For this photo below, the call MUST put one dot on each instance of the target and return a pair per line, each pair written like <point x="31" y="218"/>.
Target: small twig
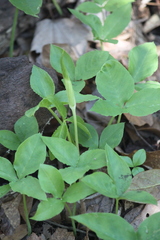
<point x="138" y="134"/>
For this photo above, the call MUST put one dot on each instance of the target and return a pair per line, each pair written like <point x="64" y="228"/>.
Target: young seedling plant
<point x="121" y="92"/>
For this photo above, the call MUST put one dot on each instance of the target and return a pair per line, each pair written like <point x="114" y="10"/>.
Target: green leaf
<point x="4" y="190"/>
<point x="114" y="83"/>
<point x="90" y="20"/>
<point x="9" y="139"/>
<point x="111" y="5"/>
<point x="30" y="112"/>
<point x="144" y="102"/>
<point x="59" y="106"/>
<point x="29" y="7"/>
<point x="118" y="170"/>
<point x="149" y="228"/>
<point x="90" y="63"/>
<point x="111" y="27"/>
<point x="139" y="157"/>
<point x="137" y="170"/>
<point x="107" y="226"/>
<point x="140" y="58"/>
<point x="94" y="159"/>
<point x="112" y="135"/>
<point x="26" y="127"/>
<point x="29" y="186"/>
<point x="48" y="209"/>
<point x="148" y="84"/>
<point x="84" y="98"/>
<point x="128" y="161"/>
<point x="41" y="82"/>
<point x="76" y="192"/>
<point x="102" y="183"/>
<point x="106" y="108"/>
<point x="29" y="155"/>
<point x="61" y="131"/>
<point x="55" y="60"/>
<point x="89" y="7"/>
<point x="51" y="180"/>
<point x="63" y="150"/>
<point x="92" y="141"/>
<point x="6" y="170"/>
<point x="140" y="197"/>
<point x="72" y="174"/>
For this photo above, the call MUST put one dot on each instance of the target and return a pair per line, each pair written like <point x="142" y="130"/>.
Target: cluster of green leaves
<point x="110" y="26"/>
<point x="121" y="92"/>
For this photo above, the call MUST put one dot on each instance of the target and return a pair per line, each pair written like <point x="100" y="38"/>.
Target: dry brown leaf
<point x="62" y="234"/>
<point x="151" y="23"/>
<point x="33" y="236"/>
<point x="139" y="121"/>
<point x="20" y="233"/>
<point x="148" y="181"/>
<point x="68" y="31"/>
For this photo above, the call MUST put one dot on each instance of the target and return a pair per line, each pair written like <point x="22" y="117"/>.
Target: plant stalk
<point x="119" y="118"/>
<point x="57" y="7"/>
<point x="117" y="203"/>
<point x="15" y="19"/>
<point x="72" y="220"/>
<point x="75" y="127"/>
<point x="26" y="215"/>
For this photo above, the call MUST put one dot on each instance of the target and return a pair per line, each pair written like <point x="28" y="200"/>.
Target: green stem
<point x="111" y="121"/>
<point x="15" y="19"/>
<point x="102" y="47"/>
<point x="26" y="215"/>
<point x="57" y="7"/>
<point x="72" y="220"/>
<point x="119" y="118"/>
<point x="117" y="202"/>
<point x="55" y="116"/>
<point x="75" y="127"/>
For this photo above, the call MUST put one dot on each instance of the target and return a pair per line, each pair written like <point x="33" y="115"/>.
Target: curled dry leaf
<point x="148" y="181"/>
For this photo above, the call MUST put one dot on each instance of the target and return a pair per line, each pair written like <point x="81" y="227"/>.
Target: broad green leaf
<point x="63" y="150"/>
<point x="51" y="180"/>
<point x="89" y="7"/>
<point x="140" y="58"/>
<point x="118" y="170"/>
<point x="48" y="209"/>
<point x="137" y="170"/>
<point x="99" y="1"/>
<point x="149" y="228"/>
<point x="91" y="20"/>
<point x="92" y="141"/>
<point x="61" y="131"/>
<point x="9" y="139"/>
<point x="84" y="98"/>
<point x="115" y="83"/>
<point x="112" y="135"/>
<point x="139" y="157"/>
<point x="55" y="60"/>
<point x="107" y="226"/>
<point x="6" y="170"/>
<point x="26" y="127"/>
<point x="111" y="5"/>
<point x="72" y="174"/>
<point x="29" y="186"/>
<point x="30" y="112"/>
<point x="4" y="190"/>
<point x="94" y="159"/>
<point x="90" y="63"/>
<point x="111" y="27"/>
<point x="41" y="82"/>
<point x="106" y="108"/>
<point x="128" y="161"/>
<point x="76" y="192"/>
<point x="29" y="7"/>
<point x="144" y="102"/>
<point x="148" y="84"/>
<point x="101" y="183"/>
<point x="140" y="197"/>
<point x="29" y="155"/>
<point x="147" y="181"/>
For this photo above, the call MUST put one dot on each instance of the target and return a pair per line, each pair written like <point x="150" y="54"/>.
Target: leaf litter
<point x="77" y="38"/>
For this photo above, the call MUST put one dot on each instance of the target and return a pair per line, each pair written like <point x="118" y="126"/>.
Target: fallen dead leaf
<point x="62" y="234"/>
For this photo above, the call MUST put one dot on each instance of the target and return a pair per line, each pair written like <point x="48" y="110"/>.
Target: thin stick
<point x="15" y="19"/>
